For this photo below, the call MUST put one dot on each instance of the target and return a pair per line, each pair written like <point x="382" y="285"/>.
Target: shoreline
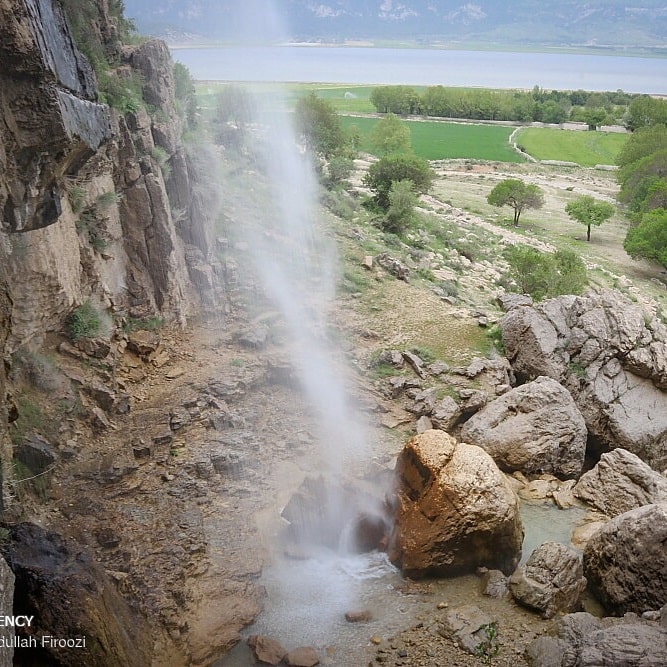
<point x="613" y="51"/>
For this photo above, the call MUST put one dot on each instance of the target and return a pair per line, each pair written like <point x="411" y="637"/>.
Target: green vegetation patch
<point x="585" y="148"/>
<point x="437" y="140"/>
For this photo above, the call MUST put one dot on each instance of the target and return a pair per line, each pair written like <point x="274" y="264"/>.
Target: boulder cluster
<point x="584" y="411"/>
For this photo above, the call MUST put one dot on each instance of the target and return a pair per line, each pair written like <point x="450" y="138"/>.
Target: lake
<point x="426" y="67"/>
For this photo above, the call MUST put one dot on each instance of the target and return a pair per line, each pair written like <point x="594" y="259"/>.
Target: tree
<point x="641" y="178"/>
<point x="594" y="117"/>
<point x="320" y="126"/>
<point x="402" y="202"/>
<point x="517" y="194"/>
<point x="395" y="99"/>
<point x="648" y="239"/>
<point x="387" y="170"/>
<point x="589" y="211"/>
<point x="184" y="90"/>
<point x="235" y="106"/>
<point x="391" y="135"/>
<point x="645" y="111"/>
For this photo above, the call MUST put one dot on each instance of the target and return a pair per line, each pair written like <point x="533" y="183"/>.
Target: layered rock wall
<point x="96" y="205"/>
<point x="50" y="122"/>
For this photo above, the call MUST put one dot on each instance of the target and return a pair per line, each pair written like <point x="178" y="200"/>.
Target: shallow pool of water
<point x="307" y="599"/>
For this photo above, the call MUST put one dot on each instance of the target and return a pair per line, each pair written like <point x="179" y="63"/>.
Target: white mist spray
<point x="296" y="262"/>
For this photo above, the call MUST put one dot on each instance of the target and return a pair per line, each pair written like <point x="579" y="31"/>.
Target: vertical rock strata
<point x="50" y="123"/>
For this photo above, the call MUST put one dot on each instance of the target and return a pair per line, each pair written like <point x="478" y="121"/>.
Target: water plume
<point x="331" y="517"/>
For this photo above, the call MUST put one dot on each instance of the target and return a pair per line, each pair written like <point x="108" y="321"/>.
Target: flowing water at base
<point x="307" y="599"/>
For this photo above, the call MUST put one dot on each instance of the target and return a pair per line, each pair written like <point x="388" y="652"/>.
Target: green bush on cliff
<point x="84" y="322"/>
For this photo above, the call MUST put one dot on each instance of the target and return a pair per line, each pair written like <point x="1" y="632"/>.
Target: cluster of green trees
<point x="553" y="106"/>
<point x="643" y="179"/>
<point x="544" y="275"/>
<point x="396" y="179"/>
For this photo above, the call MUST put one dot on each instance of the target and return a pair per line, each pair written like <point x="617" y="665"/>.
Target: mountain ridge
<point x="612" y="23"/>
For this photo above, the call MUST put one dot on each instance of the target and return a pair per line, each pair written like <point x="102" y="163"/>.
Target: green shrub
<point x="494" y="335"/>
<point x="401" y="210"/>
<point x="84" y="322"/>
<point x="123" y="93"/>
<point x="545" y="275"/>
<point x="77" y="197"/>
<point x="90" y="224"/>
<point x="108" y="199"/>
<point x="144" y="324"/>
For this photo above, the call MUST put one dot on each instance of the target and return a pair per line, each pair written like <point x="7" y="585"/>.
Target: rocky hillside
<point x="598" y="23"/>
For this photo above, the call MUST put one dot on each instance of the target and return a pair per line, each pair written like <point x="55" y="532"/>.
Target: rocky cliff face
<point x="96" y="203"/>
<point x="90" y="197"/>
<point x="50" y="123"/>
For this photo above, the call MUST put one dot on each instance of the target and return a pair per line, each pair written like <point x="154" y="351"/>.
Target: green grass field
<point x="345" y="99"/>
<point x="584" y="148"/>
<point x="434" y="140"/>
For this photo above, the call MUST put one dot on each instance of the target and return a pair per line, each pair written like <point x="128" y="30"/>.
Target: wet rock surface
<point x="72" y="596"/>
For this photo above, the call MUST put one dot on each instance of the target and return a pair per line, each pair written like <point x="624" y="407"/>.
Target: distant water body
<point x="427" y="67"/>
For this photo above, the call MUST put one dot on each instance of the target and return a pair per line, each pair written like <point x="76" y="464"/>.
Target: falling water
<point x="295" y="260"/>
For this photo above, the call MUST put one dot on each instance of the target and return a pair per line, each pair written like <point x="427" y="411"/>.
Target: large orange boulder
<point x="454" y="510"/>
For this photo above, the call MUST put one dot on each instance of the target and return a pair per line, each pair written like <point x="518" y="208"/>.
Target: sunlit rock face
<point x="620" y="482"/>
<point x="454" y="511"/>
<point x="50" y="123"/>
<point x="534" y="428"/>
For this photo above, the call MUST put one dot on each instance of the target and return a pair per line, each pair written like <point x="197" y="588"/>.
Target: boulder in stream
<point x="454" y="510"/>
<point x="551" y="581"/>
<point x="625" y="561"/>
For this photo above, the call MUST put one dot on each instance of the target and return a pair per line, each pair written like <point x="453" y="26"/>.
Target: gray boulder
<point x="535" y="428"/>
<point x="610" y="354"/>
<point x="625" y="561"/>
<point x="620" y="482"/>
<point x="551" y="581"/>
<point x="585" y="641"/>
<point x="446" y="414"/>
<point x="466" y="626"/>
